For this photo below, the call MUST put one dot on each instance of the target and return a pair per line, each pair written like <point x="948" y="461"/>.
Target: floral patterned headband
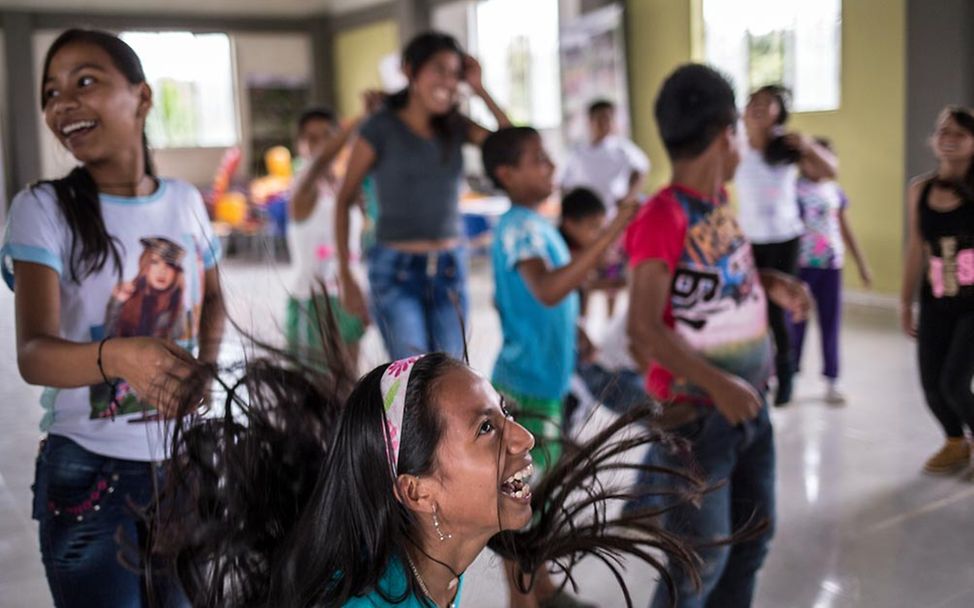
<point x="393" y="386"/>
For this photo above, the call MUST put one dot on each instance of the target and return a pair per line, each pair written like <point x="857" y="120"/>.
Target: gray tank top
<point x="417" y="181"/>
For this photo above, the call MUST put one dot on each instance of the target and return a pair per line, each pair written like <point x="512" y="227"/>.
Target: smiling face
<point x="90" y="106"/>
<point x="481" y="459"/>
<point x="762" y="112"/>
<point x="435" y="83"/>
<point x="951" y="142"/>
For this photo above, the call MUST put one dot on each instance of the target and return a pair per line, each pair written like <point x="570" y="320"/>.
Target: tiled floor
<point x="859" y="525"/>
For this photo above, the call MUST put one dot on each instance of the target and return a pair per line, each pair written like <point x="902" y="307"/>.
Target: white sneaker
<point x="833" y="396"/>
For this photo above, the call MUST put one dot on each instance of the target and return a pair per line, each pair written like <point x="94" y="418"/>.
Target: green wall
<point x="357" y="55"/>
<point x="868" y="130"/>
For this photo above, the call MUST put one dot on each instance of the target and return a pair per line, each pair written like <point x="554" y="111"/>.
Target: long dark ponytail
<point x="77" y="193"/>
<point x="449" y="128"/>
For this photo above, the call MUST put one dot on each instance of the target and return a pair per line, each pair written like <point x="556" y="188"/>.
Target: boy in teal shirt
<point x="536" y="280"/>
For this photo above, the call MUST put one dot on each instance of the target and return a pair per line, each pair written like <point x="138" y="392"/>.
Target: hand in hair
<point x="473" y="74"/>
<point x="156" y="370"/>
<point x="818" y="160"/>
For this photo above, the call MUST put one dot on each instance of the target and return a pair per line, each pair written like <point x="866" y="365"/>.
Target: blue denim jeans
<point x="742" y="458"/>
<point x="86" y="506"/>
<point x="419" y="301"/>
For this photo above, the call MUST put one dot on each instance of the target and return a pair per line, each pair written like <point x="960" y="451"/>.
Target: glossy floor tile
<point x="859" y="525"/>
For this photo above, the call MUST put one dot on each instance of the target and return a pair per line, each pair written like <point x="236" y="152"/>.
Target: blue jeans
<point x="419" y="301"/>
<point x="85" y="504"/>
<point x="742" y="458"/>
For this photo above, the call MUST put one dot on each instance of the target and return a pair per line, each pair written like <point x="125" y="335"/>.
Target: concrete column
<point x="940" y="70"/>
<point x="23" y="147"/>
<point x="415" y="16"/>
<point x="322" y="61"/>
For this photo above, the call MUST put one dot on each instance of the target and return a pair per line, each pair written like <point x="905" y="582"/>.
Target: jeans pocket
<point x="73" y="489"/>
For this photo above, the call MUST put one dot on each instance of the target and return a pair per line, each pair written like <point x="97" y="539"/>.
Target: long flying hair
<point x="285" y="497"/>
<point x="77" y="193"/>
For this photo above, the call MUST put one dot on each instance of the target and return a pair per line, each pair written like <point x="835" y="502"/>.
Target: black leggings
<point x="782" y="257"/>
<point x="945" y="347"/>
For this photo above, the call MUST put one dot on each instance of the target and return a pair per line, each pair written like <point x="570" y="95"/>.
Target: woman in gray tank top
<point x="412" y="149"/>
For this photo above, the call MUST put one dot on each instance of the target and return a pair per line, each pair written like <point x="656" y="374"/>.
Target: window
<point x="792" y="42"/>
<point x="191" y="76"/>
<point x="517" y="45"/>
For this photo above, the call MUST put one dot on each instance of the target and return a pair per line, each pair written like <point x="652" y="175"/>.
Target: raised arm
<point x="551" y="285"/>
<point x="474" y="77"/>
<point x="305" y="192"/>
<point x="821" y="163"/>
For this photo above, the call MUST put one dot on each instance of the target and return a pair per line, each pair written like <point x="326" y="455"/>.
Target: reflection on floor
<point x="858" y="526"/>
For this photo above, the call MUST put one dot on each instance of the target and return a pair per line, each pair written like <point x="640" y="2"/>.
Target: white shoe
<point x="833" y="396"/>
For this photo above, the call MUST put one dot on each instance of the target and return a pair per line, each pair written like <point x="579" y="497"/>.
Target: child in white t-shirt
<point x="313" y="293"/>
<point x="614" y="168"/>
<point x="116" y="286"/>
<point x="608" y="163"/>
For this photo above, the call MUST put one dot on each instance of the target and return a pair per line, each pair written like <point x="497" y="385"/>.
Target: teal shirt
<point x="537" y="357"/>
<point x="394" y="584"/>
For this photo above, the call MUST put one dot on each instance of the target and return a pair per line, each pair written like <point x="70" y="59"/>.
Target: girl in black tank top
<point x="948" y="239"/>
<point x="941" y="250"/>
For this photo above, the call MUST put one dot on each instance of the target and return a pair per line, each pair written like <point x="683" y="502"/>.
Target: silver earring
<point x="439" y="530"/>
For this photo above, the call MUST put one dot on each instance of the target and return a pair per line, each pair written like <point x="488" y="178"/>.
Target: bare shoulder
<point x="917" y="182"/>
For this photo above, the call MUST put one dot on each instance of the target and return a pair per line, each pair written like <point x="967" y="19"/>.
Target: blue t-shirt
<point x="394" y="584"/>
<point x="538" y="353"/>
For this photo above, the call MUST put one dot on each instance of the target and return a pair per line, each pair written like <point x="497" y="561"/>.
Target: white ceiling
<point x="278" y="8"/>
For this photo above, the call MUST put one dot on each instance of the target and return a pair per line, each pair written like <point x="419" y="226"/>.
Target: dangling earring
<point x="439" y="530"/>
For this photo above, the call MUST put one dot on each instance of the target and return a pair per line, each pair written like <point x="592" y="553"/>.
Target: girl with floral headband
<point x="296" y="497"/>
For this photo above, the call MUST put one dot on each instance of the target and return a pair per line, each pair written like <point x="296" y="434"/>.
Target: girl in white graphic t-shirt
<point x="116" y="289"/>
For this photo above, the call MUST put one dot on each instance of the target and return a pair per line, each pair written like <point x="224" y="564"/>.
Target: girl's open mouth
<point x="516" y="487"/>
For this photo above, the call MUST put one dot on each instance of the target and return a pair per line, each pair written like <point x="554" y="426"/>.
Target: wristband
<point x="113" y="386"/>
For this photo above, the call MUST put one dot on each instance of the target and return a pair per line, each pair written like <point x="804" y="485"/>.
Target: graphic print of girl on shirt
<point x="149" y="305"/>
